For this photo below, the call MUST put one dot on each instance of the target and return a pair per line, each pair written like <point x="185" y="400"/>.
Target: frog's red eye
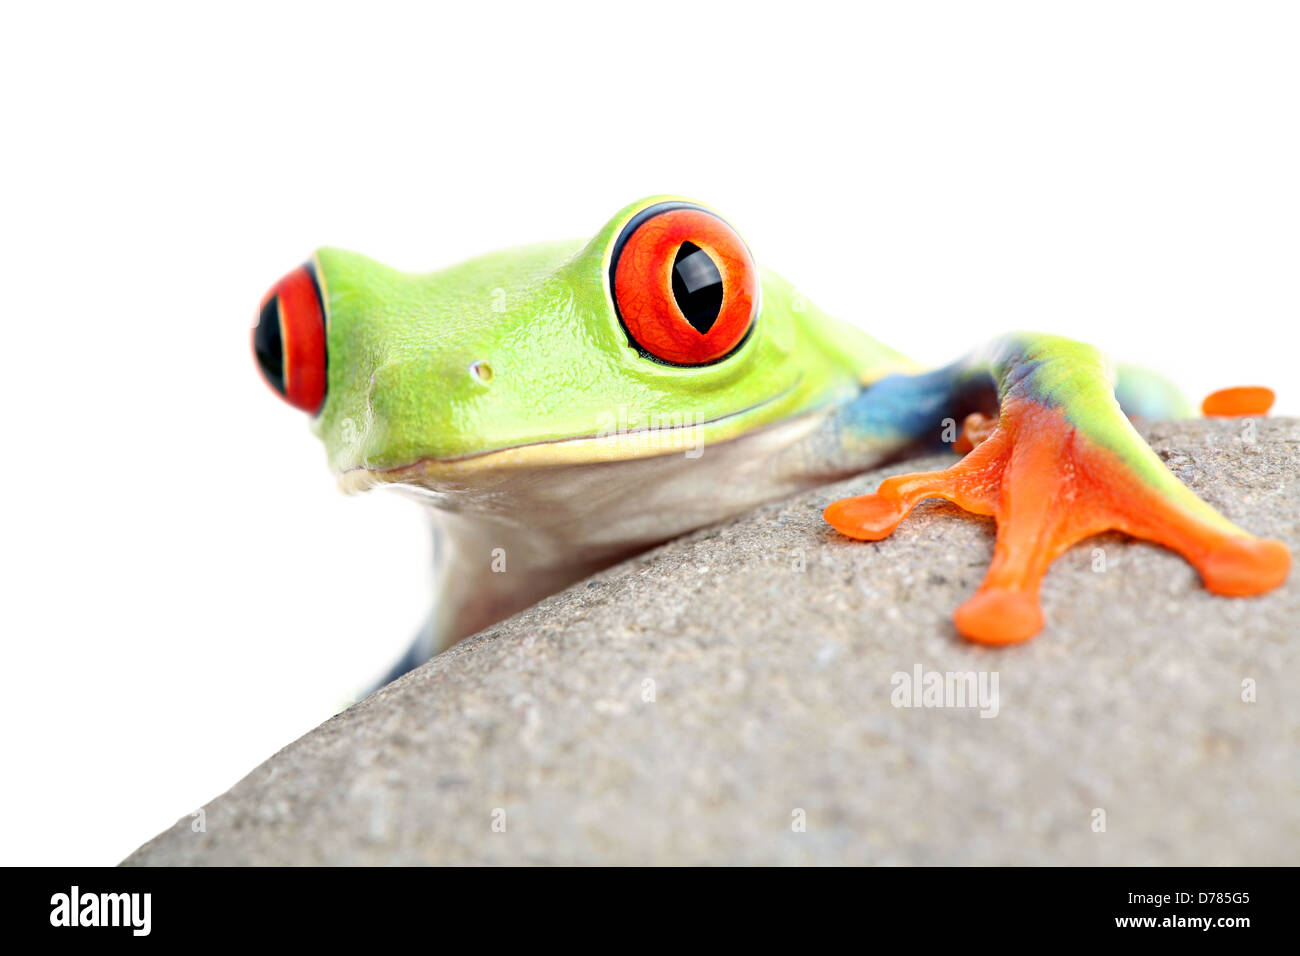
<point x="289" y="339"/>
<point x="685" y="287"/>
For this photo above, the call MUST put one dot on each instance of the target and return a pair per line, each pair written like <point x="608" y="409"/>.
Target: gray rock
<point x="771" y="644"/>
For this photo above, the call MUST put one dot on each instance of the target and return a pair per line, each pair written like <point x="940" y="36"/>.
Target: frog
<point x="560" y="407"/>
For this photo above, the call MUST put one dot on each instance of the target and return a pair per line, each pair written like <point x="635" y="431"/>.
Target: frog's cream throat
<point x="549" y="525"/>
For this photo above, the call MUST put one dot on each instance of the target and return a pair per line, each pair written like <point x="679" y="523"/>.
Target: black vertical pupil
<point x="697" y="287"/>
<point x="267" y="344"/>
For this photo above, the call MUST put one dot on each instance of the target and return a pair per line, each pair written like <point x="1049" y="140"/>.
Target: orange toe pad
<point x="1248" y="400"/>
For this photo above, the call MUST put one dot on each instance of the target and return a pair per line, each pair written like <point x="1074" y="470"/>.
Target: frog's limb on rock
<point x="1062" y="464"/>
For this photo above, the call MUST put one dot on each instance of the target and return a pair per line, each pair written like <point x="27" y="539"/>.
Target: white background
<point x="184" y="591"/>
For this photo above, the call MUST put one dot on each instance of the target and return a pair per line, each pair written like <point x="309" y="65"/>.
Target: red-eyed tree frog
<point x="562" y="406"/>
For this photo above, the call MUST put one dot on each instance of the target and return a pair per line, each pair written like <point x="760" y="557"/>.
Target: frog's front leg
<point x="1062" y="463"/>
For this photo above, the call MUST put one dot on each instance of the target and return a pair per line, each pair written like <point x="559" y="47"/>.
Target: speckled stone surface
<point x="695" y="704"/>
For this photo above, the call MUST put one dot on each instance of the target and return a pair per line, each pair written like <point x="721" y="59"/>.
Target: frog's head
<point x="659" y="334"/>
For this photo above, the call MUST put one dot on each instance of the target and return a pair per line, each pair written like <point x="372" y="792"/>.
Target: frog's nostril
<point x="289" y="339"/>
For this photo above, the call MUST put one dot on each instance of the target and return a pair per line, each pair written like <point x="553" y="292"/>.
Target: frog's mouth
<point x="673" y="435"/>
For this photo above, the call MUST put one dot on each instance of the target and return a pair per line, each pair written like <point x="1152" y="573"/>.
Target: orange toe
<point x="1241" y="566"/>
<point x="974" y="432"/>
<point x="866" y="518"/>
<point x="996" y="616"/>
<point x="1245" y="401"/>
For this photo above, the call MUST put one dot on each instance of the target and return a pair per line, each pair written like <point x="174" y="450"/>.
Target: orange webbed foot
<point x="1048" y="486"/>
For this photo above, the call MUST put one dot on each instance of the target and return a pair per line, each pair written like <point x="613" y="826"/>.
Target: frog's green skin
<point x="503" y="392"/>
